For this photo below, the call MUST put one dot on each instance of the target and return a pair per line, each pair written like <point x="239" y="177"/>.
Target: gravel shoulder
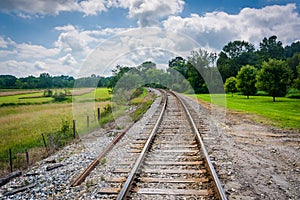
<point x="253" y="161"/>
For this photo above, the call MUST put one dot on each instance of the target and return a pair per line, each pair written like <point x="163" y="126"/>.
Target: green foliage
<point x="274" y="78"/>
<point x="297" y="80"/>
<point x="102" y="161"/>
<point x="62" y="137"/>
<point x="292" y="49"/>
<point x="270" y="48"/>
<point x="246" y="80"/>
<point x="293" y="63"/>
<point x="233" y="56"/>
<point x="107" y="110"/>
<point x="293" y="93"/>
<point x="7" y="81"/>
<point x="59" y="97"/>
<point x="48" y="93"/>
<point x="230" y="85"/>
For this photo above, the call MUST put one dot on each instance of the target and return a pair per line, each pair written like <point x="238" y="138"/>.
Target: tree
<point x="246" y="80"/>
<point x="200" y="70"/>
<point x="230" y="85"/>
<point x="233" y="56"/>
<point x="292" y="49"/>
<point x="146" y="66"/>
<point x="270" y="48"/>
<point x="7" y="81"/>
<point x="293" y="62"/>
<point x="297" y="80"/>
<point x="274" y="78"/>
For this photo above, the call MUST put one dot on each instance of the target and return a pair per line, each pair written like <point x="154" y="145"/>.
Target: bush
<point x="106" y="110"/>
<point x="59" y="96"/>
<point x="261" y="93"/>
<point x="293" y="93"/>
<point x="62" y="137"/>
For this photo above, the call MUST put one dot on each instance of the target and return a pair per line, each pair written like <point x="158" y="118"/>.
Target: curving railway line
<point x="167" y="162"/>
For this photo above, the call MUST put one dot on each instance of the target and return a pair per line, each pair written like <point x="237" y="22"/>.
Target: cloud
<point x="92" y="7"/>
<point x="40" y="66"/>
<point x="68" y="60"/>
<point x="146" y="12"/>
<point x="149" y="12"/>
<point x="3" y="43"/>
<point x="53" y="7"/>
<point x="214" y="30"/>
<point x="30" y="51"/>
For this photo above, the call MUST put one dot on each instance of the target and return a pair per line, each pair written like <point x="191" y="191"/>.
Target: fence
<point x="51" y="142"/>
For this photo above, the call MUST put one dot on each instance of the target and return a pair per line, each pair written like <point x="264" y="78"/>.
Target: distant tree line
<point x="45" y="81"/>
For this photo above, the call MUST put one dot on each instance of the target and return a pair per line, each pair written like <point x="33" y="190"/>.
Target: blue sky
<point x="61" y="38"/>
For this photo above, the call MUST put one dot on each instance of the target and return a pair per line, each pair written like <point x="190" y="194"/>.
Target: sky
<point x="82" y="37"/>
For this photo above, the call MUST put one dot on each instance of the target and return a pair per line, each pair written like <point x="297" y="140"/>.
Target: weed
<point x="102" y="161"/>
<point x="102" y="178"/>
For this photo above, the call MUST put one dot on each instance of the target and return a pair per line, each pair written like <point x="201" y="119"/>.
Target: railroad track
<point x="168" y="162"/>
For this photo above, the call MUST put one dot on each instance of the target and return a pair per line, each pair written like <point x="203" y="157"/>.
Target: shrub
<point x="293" y="93"/>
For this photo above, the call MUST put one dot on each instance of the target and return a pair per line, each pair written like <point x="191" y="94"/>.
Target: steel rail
<point x="125" y="189"/>
<point x="220" y="190"/>
<point x="87" y="171"/>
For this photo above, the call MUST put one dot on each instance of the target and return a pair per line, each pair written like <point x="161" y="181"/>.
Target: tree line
<point x="46" y="81"/>
<point x="271" y="68"/>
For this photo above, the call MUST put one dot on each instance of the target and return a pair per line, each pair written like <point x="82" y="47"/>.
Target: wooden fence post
<point x="99" y="115"/>
<point x="87" y="121"/>
<point x="45" y="142"/>
<point x="27" y="157"/>
<point x="74" y="128"/>
<point x="10" y="160"/>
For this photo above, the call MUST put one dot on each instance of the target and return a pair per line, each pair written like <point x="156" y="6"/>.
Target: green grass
<point x="284" y="113"/>
<point x="25" y="98"/>
<point x="102" y="94"/>
<point x="22" y="125"/>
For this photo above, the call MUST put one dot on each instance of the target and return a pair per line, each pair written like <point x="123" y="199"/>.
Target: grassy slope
<point x="284" y="112"/>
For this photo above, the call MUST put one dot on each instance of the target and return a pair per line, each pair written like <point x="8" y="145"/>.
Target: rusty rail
<point x="87" y="171"/>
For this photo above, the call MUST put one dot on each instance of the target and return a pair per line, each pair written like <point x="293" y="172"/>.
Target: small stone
<point x="269" y="182"/>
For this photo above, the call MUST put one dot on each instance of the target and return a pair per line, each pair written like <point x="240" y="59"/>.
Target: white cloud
<point x="214" y="30"/>
<point x="149" y="12"/>
<point x="3" y="43"/>
<point x="39" y="66"/>
<point x="68" y="60"/>
<point x="30" y="51"/>
<point x="92" y="7"/>
<point x="53" y="7"/>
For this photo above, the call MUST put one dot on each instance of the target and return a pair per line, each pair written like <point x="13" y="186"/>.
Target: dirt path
<point x="254" y="161"/>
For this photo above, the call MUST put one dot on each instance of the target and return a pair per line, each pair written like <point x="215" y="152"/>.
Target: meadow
<point x="284" y="112"/>
<point x="22" y="126"/>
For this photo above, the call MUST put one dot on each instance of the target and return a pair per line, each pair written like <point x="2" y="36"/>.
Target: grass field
<point x="22" y="125"/>
<point x="25" y="98"/>
<point x="285" y="112"/>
